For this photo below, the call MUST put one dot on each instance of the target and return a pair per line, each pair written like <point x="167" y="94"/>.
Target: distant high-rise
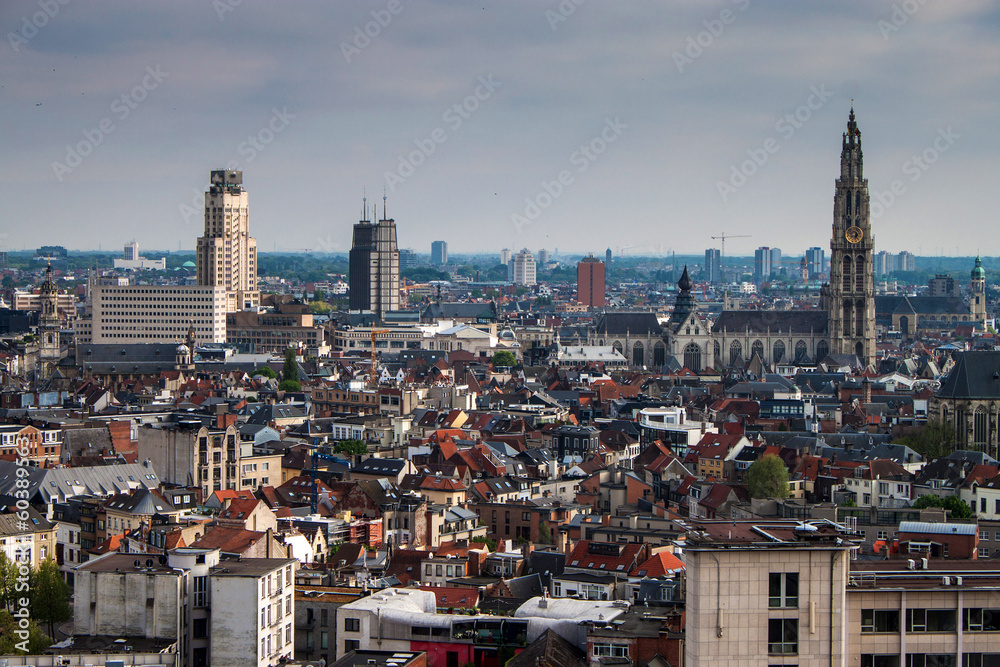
<point x="885" y="263"/>
<point x="713" y="265"/>
<point x="590" y="282"/>
<point x="523" y="268"/>
<point x="775" y="261"/>
<point x="439" y="253"/>
<point x="374" y="266"/>
<point x="905" y="261"/>
<point x="608" y="256"/>
<point x="407" y="259"/>
<point x="227" y="254"/>
<point x="505" y="256"/>
<point x="815" y="261"/>
<point x="543" y="256"/>
<point x="762" y="264"/>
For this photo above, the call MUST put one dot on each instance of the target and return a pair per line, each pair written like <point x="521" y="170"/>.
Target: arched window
<point x="716" y="352"/>
<point x="692" y="357"/>
<point x="979" y="427"/>
<point x="857" y="202"/>
<point x="735" y="353"/>
<point x="758" y="349"/>
<point x="822" y="349"/>
<point x="638" y="354"/>
<point x="847" y="310"/>
<point x="859" y="274"/>
<point x="617" y="346"/>
<point x="848" y="198"/>
<point x="846" y="277"/>
<point x="659" y="355"/>
<point x="800" y="350"/>
<point x="779" y="351"/>
<point x="859" y="319"/>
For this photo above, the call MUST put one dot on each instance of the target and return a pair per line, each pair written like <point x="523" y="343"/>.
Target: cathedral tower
<point x="851" y="300"/>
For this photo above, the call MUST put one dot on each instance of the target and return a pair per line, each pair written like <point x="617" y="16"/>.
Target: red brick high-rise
<point x="590" y="282"/>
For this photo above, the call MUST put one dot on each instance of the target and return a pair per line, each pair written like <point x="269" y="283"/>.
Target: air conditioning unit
<point x="958" y="581"/>
<point x="946" y="581"/>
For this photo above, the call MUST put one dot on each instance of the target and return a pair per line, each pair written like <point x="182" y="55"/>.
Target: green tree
<point x="319" y="307"/>
<point x="504" y="358"/>
<point x="959" y="510"/>
<point x="290" y="371"/>
<point x="289" y="385"/>
<point x="8" y="582"/>
<point x="267" y="372"/>
<point x="490" y="543"/>
<point x="767" y="477"/>
<point x="50" y="596"/>
<point x="8" y="282"/>
<point x="12" y="644"/>
<point x="544" y="532"/>
<point x="934" y="440"/>
<point x="319" y="295"/>
<point x="477" y="293"/>
<point x="354" y="447"/>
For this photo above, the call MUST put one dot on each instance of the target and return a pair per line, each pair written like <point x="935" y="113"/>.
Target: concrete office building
<point x="374" y="266"/>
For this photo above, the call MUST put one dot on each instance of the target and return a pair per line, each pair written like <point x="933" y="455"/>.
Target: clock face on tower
<point x="854" y="235"/>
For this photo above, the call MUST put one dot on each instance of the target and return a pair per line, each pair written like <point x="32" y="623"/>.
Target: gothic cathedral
<point x="850" y="298"/>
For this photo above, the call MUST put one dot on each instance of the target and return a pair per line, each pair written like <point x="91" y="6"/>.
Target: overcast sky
<point x="533" y="124"/>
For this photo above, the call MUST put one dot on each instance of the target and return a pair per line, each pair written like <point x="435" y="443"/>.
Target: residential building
<point x="193" y="455"/>
<point x="123" y="314"/>
<point x="523" y="268"/>
<point x="209" y="606"/>
<point x="227" y="254"/>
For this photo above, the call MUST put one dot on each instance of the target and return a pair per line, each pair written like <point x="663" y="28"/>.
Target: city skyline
<point x="644" y="141"/>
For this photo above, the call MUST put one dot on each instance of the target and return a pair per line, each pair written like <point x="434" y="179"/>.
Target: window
<point x="883" y="535"/>
<point x="984" y="535"/>
<point x="982" y="620"/>
<point x="200" y="590"/>
<point x="351" y="625"/>
<point x="324" y="639"/>
<point x="610" y="651"/>
<point x="930" y="620"/>
<point x="783" y="590"/>
<point x="879" y="620"/>
<point x="871" y="660"/>
<point x="351" y="645"/>
<point x="930" y="660"/>
<point x="981" y="660"/>
<point x="200" y="628"/>
<point x="782" y="636"/>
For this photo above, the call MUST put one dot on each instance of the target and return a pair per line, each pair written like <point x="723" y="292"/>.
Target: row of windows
<point x="974" y="619"/>
<point x="932" y="660"/>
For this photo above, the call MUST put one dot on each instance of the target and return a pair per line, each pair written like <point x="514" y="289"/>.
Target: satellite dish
<point x="149" y="562"/>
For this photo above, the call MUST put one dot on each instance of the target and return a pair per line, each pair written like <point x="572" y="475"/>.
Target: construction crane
<point x="372" y="374"/>
<point x="722" y="253"/>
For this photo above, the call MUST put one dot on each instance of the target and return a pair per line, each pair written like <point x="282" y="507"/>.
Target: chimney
<point x="225" y="420"/>
<point x="866" y="391"/>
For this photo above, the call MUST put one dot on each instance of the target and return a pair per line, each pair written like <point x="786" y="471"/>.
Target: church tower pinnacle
<point x="851" y="293"/>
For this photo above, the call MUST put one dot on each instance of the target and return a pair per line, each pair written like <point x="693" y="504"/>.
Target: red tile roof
<point x="662" y="564"/>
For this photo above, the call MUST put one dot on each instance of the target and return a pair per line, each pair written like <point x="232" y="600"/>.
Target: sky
<point x="644" y="127"/>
